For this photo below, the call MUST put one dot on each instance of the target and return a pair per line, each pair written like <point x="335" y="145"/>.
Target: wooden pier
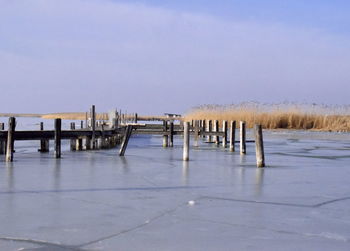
<point x="118" y="130"/>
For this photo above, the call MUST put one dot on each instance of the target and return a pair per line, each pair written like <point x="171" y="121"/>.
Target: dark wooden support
<point x="93" y="126"/>
<point x="87" y="143"/>
<point x="259" y="146"/>
<point x="79" y="144"/>
<point x="209" y="129"/>
<point x="10" y="139"/>
<point x="58" y="123"/>
<point x="103" y="138"/>
<point x="204" y="123"/>
<point x="224" y="130"/>
<point x="165" y="136"/>
<point x="81" y="124"/>
<point x="72" y="141"/>
<point x="242" y="137"/>
<point x="186" y="147"/>
<point x="126" y="138"/>
<point x="216" y="129"/>
<point x="2" y="142"/>
<point x="44" y="143"/>
<point x="171" y="135"/>
<point x="196" y="132"/>
<point x="136" y="117"/>
<point x="232" y="135"/>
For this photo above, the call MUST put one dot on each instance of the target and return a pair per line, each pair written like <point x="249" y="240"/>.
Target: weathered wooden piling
<point x="87" y="143"/>
<point x="72" y="141"/>
<point x="232" y="135"/>
<point x="2" y="142"/>
<point x="204" y="123"/>
<point x="216" y="129"/>
<point x="186" y="147"/>
<point x="209" y="129"/>
<point x="10" y="139"/>
<point x="259" y="146"/>
<point x="126" y="138"/>
<point x="242" y="137"/>
<point x="93" y="127"/>
<point x="165" y="136"/>
<point x="103" y="138"/>
<point x="44" y="143"/>
<point x="79" y="144"/>
<point x="58" y="123"/>
<point x="224" y="129"/>
<point x="171" y="135"/>
<point x="81" y="124"/>
<point x="196" y="133"/>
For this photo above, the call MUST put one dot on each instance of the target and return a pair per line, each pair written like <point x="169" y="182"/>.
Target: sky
<point x="157" y="56"/>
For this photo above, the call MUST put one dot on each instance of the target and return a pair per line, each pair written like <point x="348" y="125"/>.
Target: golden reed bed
<point x="286" y="116"/>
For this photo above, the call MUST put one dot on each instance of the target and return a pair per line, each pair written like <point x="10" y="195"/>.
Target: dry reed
<point x="278" y="116"/>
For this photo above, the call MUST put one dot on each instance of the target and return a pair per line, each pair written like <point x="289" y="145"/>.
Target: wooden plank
<point x="10" y="139"/>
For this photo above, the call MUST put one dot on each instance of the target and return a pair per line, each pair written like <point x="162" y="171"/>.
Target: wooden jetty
<point x="118" y="130"/>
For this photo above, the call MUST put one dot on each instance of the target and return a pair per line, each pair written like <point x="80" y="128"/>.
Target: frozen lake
<point x="152" y="200"/>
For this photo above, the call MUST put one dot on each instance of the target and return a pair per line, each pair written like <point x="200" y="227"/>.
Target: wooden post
<point x="186" y="147"/>
<point x="259" y="146"/>
<point x="242" y="137"/>
<point x="232" y="135"/>
<point x="72" y="141"/>
<point x="165" y="136"/>
<point x="209" y="129"/>
<point x="58" y="123"/>
<point x="86" y="120"/>
<point x="216" y="129"/>
<point x="103" y="137"/>
<point x="81" y="124"/>
<point x="44" y="143"/>
<point x="127" y="135"/>
<point x="196" y="132"/>
<point x="204" y="123"/>
<point x="171" y="136"/>
<point x="10" y="139"/>
<point x="93" y="126"/>
<point x="224" y="129"/>
<point x="136" y="118"/>
<point x="2" y="141"/>
<point x="87" y="143"/>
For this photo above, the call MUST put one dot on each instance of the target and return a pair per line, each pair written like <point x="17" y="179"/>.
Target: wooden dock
<point x="94" y="135"/>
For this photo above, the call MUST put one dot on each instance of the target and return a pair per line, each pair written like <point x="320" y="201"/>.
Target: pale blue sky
<point x="153" y="56"/>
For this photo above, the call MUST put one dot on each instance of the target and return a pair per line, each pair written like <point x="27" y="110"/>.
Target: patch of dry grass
<point x="73" y="116"/>
<point x="278" y="116"/>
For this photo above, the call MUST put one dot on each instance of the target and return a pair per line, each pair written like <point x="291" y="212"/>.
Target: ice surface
<point x="97" y="200"/>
